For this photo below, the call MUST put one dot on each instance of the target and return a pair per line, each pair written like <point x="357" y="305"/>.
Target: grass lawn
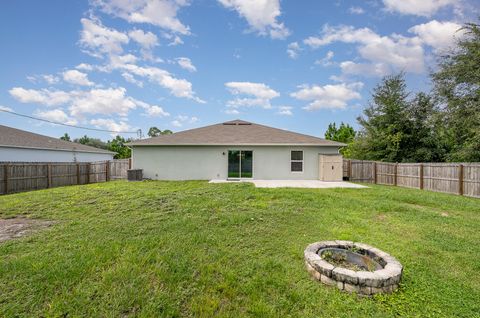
<point x="198" y="249"/>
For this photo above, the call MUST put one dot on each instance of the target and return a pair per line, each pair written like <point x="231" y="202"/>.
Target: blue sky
<point x="178" y="64"/>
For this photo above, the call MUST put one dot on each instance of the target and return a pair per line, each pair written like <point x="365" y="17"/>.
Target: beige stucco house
<point x="237" y="150"/>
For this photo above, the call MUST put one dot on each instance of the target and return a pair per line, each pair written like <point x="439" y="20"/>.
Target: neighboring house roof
<point x="11" y="137"/>
<point x="235" y="132"/>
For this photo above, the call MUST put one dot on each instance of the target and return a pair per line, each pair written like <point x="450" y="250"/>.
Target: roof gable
<point x="235" y="132"/>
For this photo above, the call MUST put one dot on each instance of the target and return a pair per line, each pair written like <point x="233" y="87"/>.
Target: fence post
<point x="107" y="170"/>
<point x="5" y="173"/>
<point x="129" y="163"/>
<point x="350" y="170"/>
<point x="49" y="176"/>
<point x="78" y="173"/>
<point x="89" y="168"/>
<point x="460" y="179"/>
<point x="421" y="176"/>
<point x="395" y="174"/>
<point x="375" y="172"/>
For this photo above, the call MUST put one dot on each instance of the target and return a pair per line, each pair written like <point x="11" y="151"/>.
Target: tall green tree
<point x="385" y="125"/>
<point x="65" y="137"/>
<point x="117" y="145"/>
<point x="457" y="88"/>
<point x="426" y="143"/>
<point x="154" y="132"/>
<point x="345" y="134"/>
<point x="93" y="142"/>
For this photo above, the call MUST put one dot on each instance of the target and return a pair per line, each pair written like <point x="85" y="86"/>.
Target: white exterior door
<point x="330" y="167"/>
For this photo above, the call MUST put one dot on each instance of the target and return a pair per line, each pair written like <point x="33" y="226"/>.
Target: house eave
<point x="106" y="152"/>
<point x="238" y="144"/>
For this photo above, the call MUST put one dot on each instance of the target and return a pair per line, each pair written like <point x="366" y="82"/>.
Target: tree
<point x="118" y="145"/>
<point x="65" y="137"/>
<point x="385" y="125"/>
<point x="155" y="132"/>
<point x="93" y="142"/>
<point x="426" y="143"/>
<point x="345" y="134"/>
<point x="457" y="89"/>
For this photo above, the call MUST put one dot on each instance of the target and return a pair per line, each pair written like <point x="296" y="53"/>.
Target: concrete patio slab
<point x="313" y="184"/>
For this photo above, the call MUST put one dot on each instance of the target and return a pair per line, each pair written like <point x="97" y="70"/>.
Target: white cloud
<point x="183" y="119"/>
<point x="98" y="39"/>
<point x="342" y="33"/>
<point x="44" y="96"/>
<point x="131" y="79"/>
<point x="424" y="8"/>
<point x="8" y="109"/>
<point x="439" y="35"/>
<point x="110" y="124"/>
<point x="232" y="111"/>
<point x="293" y="49"/>
<point x="146" y="40"/>
<point x="258" y="94"/>
<point x="356" y="10"/>
<point x="176" y="123"/>
<point x="395" y="52"/>
<point x="156" y="111"/>
<point x="329" y="96"/>
<point x="365" y="69"/>
<point x="260" y="15"/>
<point x="51" y="79"/>
<point x="178" y="87"/>
<point x="249" y="102"/>
<point x="285" y="110"/>
<point x="56" y="115"/>
<point x="84" y="67"/>
<point x="258" y="90"/>
<point x="109" y="101"/>
<point x="76" y="77"/>
<point x="47" y="78"/>
<point x="101" y="41"/>
<point x="161" y="13"/>
<point x="174" y="39"/>
<point x="327" y="60"/>
<point x="101" y="101"/>
<point x="186" y="64"/>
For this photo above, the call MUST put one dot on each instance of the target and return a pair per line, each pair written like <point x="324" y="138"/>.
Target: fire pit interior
<point x="353" y="267"/>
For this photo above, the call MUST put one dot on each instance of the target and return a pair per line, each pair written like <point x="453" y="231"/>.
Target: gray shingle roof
<point x="11" y="137"/>
<point x="235" y="132"/>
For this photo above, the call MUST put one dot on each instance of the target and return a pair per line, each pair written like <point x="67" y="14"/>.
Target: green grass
<point x="198" y="249"/>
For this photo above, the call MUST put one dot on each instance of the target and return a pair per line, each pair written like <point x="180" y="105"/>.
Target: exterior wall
<point x="211" y="162"/>
<point x="40" y="155"/>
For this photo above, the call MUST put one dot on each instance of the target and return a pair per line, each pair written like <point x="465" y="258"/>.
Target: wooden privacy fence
<point x="457" y="178"/>
<point x="26" y="176"/>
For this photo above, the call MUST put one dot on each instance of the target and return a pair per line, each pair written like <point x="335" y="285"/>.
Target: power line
<point x="68" y="125"/>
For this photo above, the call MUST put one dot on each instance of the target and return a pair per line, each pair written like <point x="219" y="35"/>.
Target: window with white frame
<point x="296" y="161"/>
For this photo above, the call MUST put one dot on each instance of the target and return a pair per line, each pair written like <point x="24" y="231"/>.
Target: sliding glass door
<point x="240" y="164"/>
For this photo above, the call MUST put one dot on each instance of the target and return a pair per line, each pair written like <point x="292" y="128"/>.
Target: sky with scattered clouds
<point x="125" y="65"/>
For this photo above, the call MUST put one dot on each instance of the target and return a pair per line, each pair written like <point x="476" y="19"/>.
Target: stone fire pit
<point x="353" y="267"/>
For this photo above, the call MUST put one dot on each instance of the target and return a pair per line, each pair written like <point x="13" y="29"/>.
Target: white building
<point x="22" y="146"/>
<point x="237" y="150"/>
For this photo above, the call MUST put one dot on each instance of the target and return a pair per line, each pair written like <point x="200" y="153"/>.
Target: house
<point x="22" y="146"/>
<point x="237" y="150"/>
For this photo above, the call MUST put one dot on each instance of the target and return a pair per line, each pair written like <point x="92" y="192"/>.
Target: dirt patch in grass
<point x="18" y="227"/>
